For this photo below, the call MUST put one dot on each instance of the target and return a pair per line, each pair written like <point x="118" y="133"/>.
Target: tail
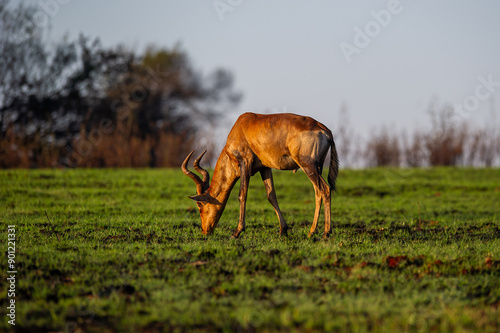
<point x="334" y="166"/>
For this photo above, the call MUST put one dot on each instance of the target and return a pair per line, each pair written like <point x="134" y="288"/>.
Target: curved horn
<point x="206" y="175"/>
<point x="197" y="180"/>
<point x="201" y="185"/>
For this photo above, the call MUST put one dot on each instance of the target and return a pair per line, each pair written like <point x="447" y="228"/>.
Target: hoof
<point x="309" y="235"/>
<point x="236" y="233"/>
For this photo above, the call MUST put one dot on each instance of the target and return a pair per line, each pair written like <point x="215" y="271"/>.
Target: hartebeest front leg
<point x="244" y="181"/>
<point x="267" y="178"/>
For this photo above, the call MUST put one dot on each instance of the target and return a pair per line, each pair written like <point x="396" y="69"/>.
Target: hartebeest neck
<point x="225" y="176"/>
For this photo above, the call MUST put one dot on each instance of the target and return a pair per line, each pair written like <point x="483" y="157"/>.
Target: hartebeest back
<point x="259" y="143"/>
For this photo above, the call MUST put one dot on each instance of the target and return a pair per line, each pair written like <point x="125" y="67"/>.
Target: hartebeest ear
<point x="199" y="198"/>
<point x="205" y="198"/>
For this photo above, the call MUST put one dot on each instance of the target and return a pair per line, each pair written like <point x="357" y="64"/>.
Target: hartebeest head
<point x="206" y="203"/>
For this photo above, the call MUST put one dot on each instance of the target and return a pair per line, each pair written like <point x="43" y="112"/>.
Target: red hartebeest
<point x="259" y="143"/>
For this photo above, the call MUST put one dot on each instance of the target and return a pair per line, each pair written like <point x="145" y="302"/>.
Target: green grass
<point x="122" y="250"/>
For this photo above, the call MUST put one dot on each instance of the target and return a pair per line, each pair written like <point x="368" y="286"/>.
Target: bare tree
<point x="445" y="143"/>
<point x="348" y="140"/>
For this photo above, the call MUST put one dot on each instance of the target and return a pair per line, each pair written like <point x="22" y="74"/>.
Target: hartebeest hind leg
<point x="267" y="178"/>
<point x="317" y="210"/>
<point x="322" y="193"/>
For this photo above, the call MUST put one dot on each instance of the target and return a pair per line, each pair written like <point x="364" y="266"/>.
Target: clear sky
<point x="309" y="57"/>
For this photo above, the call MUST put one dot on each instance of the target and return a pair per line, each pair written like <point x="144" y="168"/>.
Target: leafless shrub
<point x="413" y="152"/>
<point x="383" y="149"/>
<point x="446" y="140"/>
<point x="482" y="147"/>
<point x="12" y="151"/>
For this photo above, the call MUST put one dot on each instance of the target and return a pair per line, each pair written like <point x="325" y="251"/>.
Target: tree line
<point x="76" y="103"/>
<point x="448" y="141"/>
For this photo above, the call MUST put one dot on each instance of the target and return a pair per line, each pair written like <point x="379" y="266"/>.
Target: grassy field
<point x="122" y="250"/>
